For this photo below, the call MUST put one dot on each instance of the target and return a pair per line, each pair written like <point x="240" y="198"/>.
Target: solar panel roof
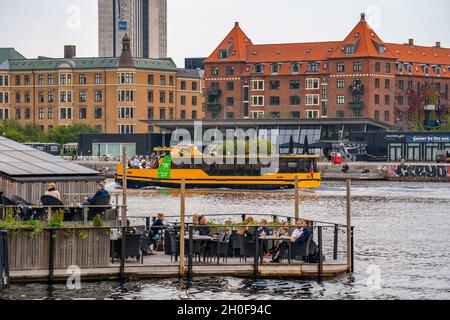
<point x="19" y="160"/>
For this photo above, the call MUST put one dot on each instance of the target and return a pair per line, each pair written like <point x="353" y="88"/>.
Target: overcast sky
<point x="196" y="27"/>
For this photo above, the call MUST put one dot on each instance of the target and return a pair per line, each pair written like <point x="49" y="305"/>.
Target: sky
<point x="196" y="27"/>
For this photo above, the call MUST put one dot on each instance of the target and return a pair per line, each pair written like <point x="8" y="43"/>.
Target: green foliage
<point x="11" y="129"/>
<point x="57" y="220"/>
<point x="98" y="221"/>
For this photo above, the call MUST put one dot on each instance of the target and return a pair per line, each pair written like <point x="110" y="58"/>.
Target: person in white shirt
<point x="299" y="235"/>
<point x="51" y="191"/>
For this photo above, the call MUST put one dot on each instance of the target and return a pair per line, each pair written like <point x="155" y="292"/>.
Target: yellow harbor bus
<point x="255" y="174"/>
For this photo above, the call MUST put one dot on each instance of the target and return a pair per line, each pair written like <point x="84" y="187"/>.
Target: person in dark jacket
<point x="100" y="192"/>
<point x="299" y="236"/>
<point x="203" y="230"/>
<point x="158" y="226"/>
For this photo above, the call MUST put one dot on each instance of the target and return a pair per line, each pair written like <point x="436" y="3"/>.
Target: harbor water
<point x="402" y="237"/>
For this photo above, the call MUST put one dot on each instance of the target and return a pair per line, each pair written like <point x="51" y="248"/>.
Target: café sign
<point x="429" y="138"/>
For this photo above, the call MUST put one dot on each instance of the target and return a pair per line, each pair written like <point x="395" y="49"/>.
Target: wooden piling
<point x="297" y="199"/>
<point x="182" y="222"/>
<point x="124" y="187"/>
<point x="349" y="227"/>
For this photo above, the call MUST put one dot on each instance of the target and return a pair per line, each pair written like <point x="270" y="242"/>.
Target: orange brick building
<point x="359" y="77"/>
<point x="112" y="94"/>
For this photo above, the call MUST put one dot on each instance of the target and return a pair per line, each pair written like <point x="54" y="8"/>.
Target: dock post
<point x="336" y="240"/>
<point x="319" y="233"/>
<point x="123" y="212"/>
<point x="182" y="213"/>
<point x="349" y="227"/>
<point x="244" y="216"/>
<point x="297" y="199"/>
<point x="256" y="258"/>
<point x="191" y="246"/>
<point x="51" y="256"/>
<point x="353" y="250"/>
<point x="4" y="264"/>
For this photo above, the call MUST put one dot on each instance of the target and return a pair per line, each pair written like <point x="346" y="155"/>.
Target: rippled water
<point x="402" y="234"/>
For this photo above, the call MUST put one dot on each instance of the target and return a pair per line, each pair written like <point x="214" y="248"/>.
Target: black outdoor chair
<point x="236" y="244"/>
<point x="9" y="202"/>
<point x="174" y="246"/>
<point x="217" y="249"/>
<point x="247" y="248"/>
<point x="132" y="247"/>
<point x="103" y="203"/>
<point x="301" y="251"/>
<point x="57" y="204"/>
<point x="167" y="243"/>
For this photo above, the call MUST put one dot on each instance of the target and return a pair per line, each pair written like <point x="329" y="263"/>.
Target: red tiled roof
<point x="419" y="54"/>
<point x="235" y="43"/>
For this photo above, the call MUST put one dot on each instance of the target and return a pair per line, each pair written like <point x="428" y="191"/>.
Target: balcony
<point x="213" y="107"/>
<point x="213" y="92"/>
<point x="357" y="90"/>
<point x="356" y="105"/>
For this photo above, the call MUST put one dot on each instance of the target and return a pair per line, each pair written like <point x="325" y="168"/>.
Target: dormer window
<point x="409" y="69"/>
<point x="426" y="70"/>
<point x="349" y="49"/>
<point x="275" y="68"/>
<point x="223" y="54"/>
<point x="259" y="68"/>
<point x="313" y="66"/>
<point x="381" y="49"/>
<point x="401" y="68"/>
<point x="438" y="71"/>
<point x="295" y="68"/>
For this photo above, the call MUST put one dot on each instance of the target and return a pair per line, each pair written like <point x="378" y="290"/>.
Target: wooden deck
<point x="160" y="266"/>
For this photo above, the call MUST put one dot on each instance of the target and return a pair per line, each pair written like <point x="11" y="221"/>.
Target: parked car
<point x="443" y="156"/>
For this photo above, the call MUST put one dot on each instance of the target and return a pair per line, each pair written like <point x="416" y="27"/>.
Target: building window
<point x="26" y="80"/>
<point x="312" y="84"/>
<point x="294" y="84"/>
<point x="162" y="97"/>
<point x="295" y="68"/>
<point x="194" y="86"/>
<point x="388" y="67"/>
<point x="258" y="101"/>
<point x="18" y="114"/>
<point x="377" y="83"/>
<point x="230" y="115"/>
<point x="98" y="96"/>
<point x="4" y="81"/>
<point x="340" y="99"/>
<point x="183" y="85"/>
<point x="410" y="85"/>
<point x="340" y="114"/>
<point x="341" y="83"/>
<point x="400" y="100"/>
<point x="377" y="99"/>
<point x="274" y="101"/>
<point x="65" y="113"/>
<point x="150" y="113"/>
<point x="386" y="116"/>
<point x="274" y="85"/>
<point x="83" y="79"/>
<point x="171" y="98"/>
<point x="401" y="84"/>
<point x="223" y="54"/>
<point x="62" y="96"/>
<point x="27" y="97"/>
<point x="82" y="96"/>
<point x="18" y="81"/>
<point x="98" y="79"/>
<point x="294" y="100"/>
<point x="150" y="97"/>
<point x="125" y="129"/>
<point x="50" y="97"/>
<point x="126" y="78"/>
<point x="230" y="86"/>
<point x="377" y="67"/>
<point x="377" y="115"/>
<point x="183" y="100"/>
<point x="162" y="114"/>
<point x="41" y="80"/>
<point x="151" y="80"/>
<point x="230" y="101"/>
<point x="275" y="115"/>
<point x="349" y="49"/>
<point x="98" y="113"/>
<point x="387" y="84"/>
<point x="162" y="80"/>
<point x="50" y="113"/>
<point x="126" y="96"/>
<point x="275" y="68"/>
<point x="4" y="113"/>
<point x="295" y="114"/>
<point x="27" y="115"/>
<point x="340" y="67"/>
<point x="257" y="85"/>
<point x="357" y="66"/>
<point x="312" y="114"/>
<point x="313" y="66"/>
<point x="312" y="99"/>
<point x="230" y="71"/>
<point x="83" y="113"/>
<point x="41" y="97"/>
<point x="18" y="97"/>
<point x="259" y="68"/>
<point x="125" y="113"/>
<point x="387" y="100"/>
<point x="50" y="80"/>
<point x="194" y="101"/>
<point x="183" y="114"/>
<point x="215" y="71"/>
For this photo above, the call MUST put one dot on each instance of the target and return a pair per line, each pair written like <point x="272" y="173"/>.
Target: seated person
<point x="203" y="230"/>
<point x="52" y="192"/>
<point x="100" y="192"/>
<point x="299" y="236"/>
<point x="263" y="230"/>
<point x="157" y="226"/>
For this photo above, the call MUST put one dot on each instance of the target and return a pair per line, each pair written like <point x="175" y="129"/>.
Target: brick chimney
<point x="70" y="52"/>
<point x="438" y="45"/>
<point x="236" y="24"/>
<point x="363" y="16"/>
<point x="411" y="42"/>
